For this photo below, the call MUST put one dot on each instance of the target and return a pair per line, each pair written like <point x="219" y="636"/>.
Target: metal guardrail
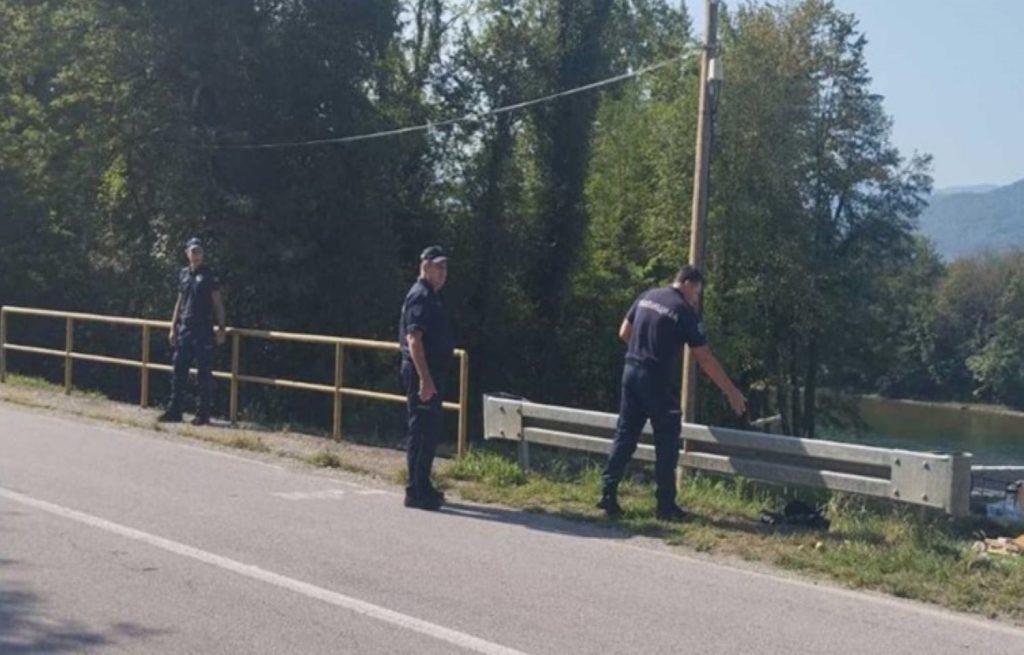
<point x="988" y="481"/>
<point x="940" y="481"/>
<point x="338" y="389"/>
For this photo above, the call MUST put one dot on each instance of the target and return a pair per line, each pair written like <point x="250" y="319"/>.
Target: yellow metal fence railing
<point x="339" y="345"/>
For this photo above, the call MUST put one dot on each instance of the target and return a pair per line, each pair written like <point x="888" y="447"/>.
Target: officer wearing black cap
<point x="192" y="334"/>
<point x="655" y="329"/>
<point x="427" y="343"/>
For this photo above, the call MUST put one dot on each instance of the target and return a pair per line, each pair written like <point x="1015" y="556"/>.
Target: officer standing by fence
<point x="655" y="329"/>
<point x="427" y="344"/>
<point x="192" y="334"/>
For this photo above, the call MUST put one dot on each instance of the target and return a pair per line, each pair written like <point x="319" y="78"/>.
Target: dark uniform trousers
<point x="646" y="394"/>
<point x="425" y="421"/>
<point x="193" y="346"/>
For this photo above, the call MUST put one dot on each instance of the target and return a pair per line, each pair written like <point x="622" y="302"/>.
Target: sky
<point x="952" y="73"/>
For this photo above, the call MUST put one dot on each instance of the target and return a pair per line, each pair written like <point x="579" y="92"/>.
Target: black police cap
<point x="434" y="254"/>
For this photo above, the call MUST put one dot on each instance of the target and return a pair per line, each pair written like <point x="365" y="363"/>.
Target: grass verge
<point x="329" y="460"/>
<point x="34" y="392"/>
<point x="870" y="545"/>
<point x="39" y="384"/>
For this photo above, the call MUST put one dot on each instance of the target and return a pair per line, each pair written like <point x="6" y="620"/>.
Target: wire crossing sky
<point x="471" y="117"/>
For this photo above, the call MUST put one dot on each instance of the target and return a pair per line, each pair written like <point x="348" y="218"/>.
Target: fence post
<point x="233" y="402"/>
<point x="463" y="400"/>
<point x="69" y="342"/>
<point x="3" y="344"/>
<point x="144" y="393"/>
<point x="960" y="486"/>
<point x="523" y="450"/>
<point x="339" y="373"/>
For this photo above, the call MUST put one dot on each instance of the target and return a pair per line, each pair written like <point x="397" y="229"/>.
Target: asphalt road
<point x="116" y="540"/>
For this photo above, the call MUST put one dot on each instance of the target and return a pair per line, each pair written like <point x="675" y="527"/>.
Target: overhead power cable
<point x="471" y="117"/>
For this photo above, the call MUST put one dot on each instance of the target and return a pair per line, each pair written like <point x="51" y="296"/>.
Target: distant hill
<point x="965" y="220"/>
<point x="971" y="188"/>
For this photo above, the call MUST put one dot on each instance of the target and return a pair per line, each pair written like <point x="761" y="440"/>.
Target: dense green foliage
<point x="963" y="335"/>
<point x="117" y="120"/>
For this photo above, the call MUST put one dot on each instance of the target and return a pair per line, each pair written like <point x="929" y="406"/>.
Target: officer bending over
<point x="655" y="329"/>
<point x="192" y="334"/>
<point x="427" y="343"/>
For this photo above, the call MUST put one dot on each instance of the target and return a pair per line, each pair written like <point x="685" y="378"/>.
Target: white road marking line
<point x="311" y="495"/>
<point x="454" y="637"/>
<point x="325" y="494"/>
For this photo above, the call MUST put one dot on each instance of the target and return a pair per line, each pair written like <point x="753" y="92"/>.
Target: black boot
<point x="609" y="503"/>
<point x="671" y="512"/>
<point x="170" y="416"/>
<point x="419" y="501"/>
<point x="435" y="494"/>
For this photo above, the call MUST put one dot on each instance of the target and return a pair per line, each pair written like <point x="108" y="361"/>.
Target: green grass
<point x="870" y="545"/>
<point x="245" y="441"/>
<point x="254" y="444"/>
<point x="400" y="476"/>
<point x="491" y="469"/>
<point x="326" y="459"/>
<point x="40" y="384"/>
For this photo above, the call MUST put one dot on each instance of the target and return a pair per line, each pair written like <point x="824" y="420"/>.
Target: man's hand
<point x="737" y="401"/>
<point x="172" y="336"/>
<point x="427" y="390"/>
<point x="221" y="335"/>
<point x="419" y="360"/>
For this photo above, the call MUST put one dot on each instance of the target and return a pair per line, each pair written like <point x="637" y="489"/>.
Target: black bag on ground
<point x="797" y="513"/>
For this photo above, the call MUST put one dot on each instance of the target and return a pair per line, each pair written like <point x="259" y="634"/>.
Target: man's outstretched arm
<point x="709" y="363"/>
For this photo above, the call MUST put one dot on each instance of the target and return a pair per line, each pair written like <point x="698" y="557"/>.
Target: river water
<point x="993" y="436"/>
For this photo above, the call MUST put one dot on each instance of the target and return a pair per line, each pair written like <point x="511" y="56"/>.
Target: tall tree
<point x="569" y="53"/>
<point x="838" y="200"/>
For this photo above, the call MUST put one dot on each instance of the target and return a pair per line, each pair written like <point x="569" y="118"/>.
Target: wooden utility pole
<point x="699" y="214"/>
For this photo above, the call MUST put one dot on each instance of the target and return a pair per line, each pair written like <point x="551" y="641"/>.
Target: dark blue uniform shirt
<point x="423" y="311"/>
<point x="662" y="322"/>
<point x="196" y="288"/>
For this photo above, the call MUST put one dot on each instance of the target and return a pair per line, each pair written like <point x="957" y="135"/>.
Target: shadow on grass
<point x="748" y="526"/>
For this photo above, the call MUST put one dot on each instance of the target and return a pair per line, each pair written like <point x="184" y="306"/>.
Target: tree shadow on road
<point x="25" y="626"/>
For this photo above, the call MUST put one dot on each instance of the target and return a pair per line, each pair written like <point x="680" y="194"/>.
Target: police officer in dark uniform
<point x="655" y="329"/>
<point x="192" y="334"/>
<point x="427" y="343"/>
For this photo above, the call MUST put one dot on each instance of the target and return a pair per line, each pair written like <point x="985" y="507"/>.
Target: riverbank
<point x="869" y="545"/>
<point x="994" y="435"/>
<point x="979" y="408"/>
